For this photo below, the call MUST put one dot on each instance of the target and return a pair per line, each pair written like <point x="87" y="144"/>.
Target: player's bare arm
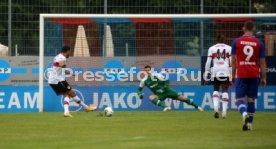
<point x="139" y="92"/>
<point x="263" y="72"/>
<point x="62" y="64"/>
<point x="233" y="64"/>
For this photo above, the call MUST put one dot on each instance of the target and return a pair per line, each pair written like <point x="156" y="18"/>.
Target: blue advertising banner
<point x="123" y="98"/>
<point x="18" y="98"/>
<point x="271" y="70"/>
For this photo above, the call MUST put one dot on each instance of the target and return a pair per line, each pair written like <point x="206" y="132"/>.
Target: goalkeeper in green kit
<point x="159" y="85"/>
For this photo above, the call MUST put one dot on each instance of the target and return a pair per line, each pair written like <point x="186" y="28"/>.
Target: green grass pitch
<point x="135" y="130"/>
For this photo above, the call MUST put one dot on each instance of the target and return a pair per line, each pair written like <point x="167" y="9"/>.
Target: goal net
<point x="116" y="44"/>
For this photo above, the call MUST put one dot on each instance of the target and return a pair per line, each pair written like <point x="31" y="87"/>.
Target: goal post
<point x="191" y="17"/>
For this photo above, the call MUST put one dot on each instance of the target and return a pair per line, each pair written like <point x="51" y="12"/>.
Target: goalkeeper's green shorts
<point x="168" y="93"/>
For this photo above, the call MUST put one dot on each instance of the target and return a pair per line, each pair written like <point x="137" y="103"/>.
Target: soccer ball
<point x="108" y="111"/>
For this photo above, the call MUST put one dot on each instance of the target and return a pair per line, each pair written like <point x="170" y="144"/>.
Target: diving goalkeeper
<point x="158" y="84"/>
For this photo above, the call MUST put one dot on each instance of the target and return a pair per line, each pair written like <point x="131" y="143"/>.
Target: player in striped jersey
<point x="219" y="56"/>
<point x="61" y="87"/>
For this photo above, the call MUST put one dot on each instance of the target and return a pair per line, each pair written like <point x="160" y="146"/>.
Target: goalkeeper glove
<point x="160" y="91"/>
<point x="140" y="95"/>
<point x="166" y="84"/>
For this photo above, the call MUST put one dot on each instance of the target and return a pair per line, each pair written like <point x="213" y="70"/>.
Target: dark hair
<point x="248" y="25"/>
<point x="147" y="66"/>
<point x="65" y="48"/>
<point x="220" y="38"/>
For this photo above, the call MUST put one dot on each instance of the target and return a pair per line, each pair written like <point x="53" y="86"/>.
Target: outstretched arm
<point x="233" y="61"/>
<point x="140" y="89"/>
<point x="263" y="65"/>
<point x="263" y="72"/>
<point x="61" y="63"/>
<point x="233" y="64"/>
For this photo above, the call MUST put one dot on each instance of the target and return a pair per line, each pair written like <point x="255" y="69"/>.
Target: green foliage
<point x="3" y="22"/>
<point x="193" y="47"/>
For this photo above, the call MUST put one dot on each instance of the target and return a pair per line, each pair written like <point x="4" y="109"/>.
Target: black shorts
<point x="220" y="81"/>
<point x="61" y="88"/>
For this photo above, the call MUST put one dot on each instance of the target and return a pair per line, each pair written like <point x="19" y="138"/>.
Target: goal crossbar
<point x="197" y="16"/>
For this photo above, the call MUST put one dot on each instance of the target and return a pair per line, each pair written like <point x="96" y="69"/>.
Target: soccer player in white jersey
<point x="60" y="85"/>
<point x="219" y="56"/>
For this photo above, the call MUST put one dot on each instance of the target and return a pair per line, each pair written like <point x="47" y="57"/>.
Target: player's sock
<point x="66" y="103"/>
<point x="251" y="111"/>
<point x="225" y="98"/>
<point x="216" y="100"/>
<point x="190" y="102"/>
<point x="241" y="107"/>
<point x="77" y="100"/>
<point x="158" y="103"/>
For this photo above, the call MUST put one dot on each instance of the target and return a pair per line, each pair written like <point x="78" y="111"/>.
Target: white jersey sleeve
<point x="160" y="76"/>
<point x="142" y="82"/>
<point x="55" y="73"/>
<point x="157" y="75"/>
